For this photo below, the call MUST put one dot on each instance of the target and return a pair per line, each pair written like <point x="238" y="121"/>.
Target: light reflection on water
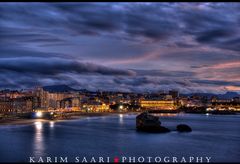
<point x="165" y="114"/>
<point x="116" y="135"/>
<point x="39" y="135"/>
<point x="38" y="139"/>
<point x="51" y="124"/>
<point x="121" y="118"/>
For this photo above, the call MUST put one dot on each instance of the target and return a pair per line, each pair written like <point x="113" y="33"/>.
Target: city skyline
<point x="190" y="47"/>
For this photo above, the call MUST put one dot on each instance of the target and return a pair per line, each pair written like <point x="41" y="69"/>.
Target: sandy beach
<point x="21" y="121"/>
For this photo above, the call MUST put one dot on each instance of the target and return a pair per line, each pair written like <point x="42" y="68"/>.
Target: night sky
<point x="192" y="47"/>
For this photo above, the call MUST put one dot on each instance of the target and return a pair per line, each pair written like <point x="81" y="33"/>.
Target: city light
<point x="209" y="109"/>
<point x="38" y="114"/>
<point x="120" y="82"/>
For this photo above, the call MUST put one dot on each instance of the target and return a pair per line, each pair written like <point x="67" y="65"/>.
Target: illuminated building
<point x="226" y="105"/>
<point x="23" y="104"/>
<point x="51" y="100"/>
<point x="158" y="104"/>
<point x="16" y="105"/>
<point x="96" y="107"/>
<point x="5" y="106"/>
<point x="71" y="104"/>
<point x="168" y="97"/>
<point x="183" y="101"/>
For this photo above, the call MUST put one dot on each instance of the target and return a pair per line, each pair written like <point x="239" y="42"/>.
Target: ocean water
<point x="215" y="136"/>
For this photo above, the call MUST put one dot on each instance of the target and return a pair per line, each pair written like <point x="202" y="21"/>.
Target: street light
<point x="121" y="107"/>
<point x="39" y="114"/>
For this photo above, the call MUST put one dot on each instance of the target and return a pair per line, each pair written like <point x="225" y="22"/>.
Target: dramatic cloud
<point x="193" y="47"/>
<point x="54" y="66"/>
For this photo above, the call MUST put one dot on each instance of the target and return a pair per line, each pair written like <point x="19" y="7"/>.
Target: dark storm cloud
<point x="164" y="45"/>
<point x="27" y="37"/>
<point x="164" y="73"/>
<point x="154" y="84"/>
<point x="201" y="56"/>
<point x="54" y="66"/>
<point x="19" y="37"/>
<point x="142" y="81"/>
<point x="224" y="38"/>
<point x="155" y="21"/>
<point x="215" y="82"/>
<point x="158" y="21"/>
<point x="213" y="24"/>
<point x="92" y="19"/>
<point x="214" y="35"/>
<point x="7" y="51"/>
<point x="231" y="44"/>
<point x="145" y="23"/>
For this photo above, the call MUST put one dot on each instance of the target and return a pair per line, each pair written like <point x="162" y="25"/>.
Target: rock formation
<point x="183" y="128"/>
<point x="149" y="123"/>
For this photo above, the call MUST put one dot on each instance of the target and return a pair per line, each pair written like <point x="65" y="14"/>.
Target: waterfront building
<point x="158" y="104"/>
<point x="51" y="100"/>
<point x="95" y="107"/>
<point x="70" y="104"/>
<point x="11" y="94"/>
<point x="5" y="106"/>
<point x="168" y="97"/>
<point x="183" y="101"/>
<point x="194" y="103"/>
<point x="16" y="105"/>
<point x="226" y="105"/>
<point x="23" y="104"/>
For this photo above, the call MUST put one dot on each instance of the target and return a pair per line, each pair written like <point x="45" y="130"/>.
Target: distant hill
<point x="65" y="88"/>
<point x="227" y="95"/>
<point x="58" y="88"/>
<point x="208" y="95"/>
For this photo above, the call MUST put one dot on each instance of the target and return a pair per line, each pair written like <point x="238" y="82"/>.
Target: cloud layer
<point x="193" y="47"/>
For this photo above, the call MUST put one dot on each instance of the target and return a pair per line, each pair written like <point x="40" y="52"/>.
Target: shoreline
<point x="76" y="116"/>
<point x="25" y="121"/>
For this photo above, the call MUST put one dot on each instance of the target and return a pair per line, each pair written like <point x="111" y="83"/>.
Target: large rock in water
<point x="149" y="123"/>
<point x="183" y="128"/>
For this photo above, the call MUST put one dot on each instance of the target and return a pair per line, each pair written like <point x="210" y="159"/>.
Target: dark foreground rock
<point x="183" y="128"/>
<point x="149" y="123"/>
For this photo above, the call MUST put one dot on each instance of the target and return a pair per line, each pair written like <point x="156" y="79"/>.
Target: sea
<point x="113" y="138"/>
